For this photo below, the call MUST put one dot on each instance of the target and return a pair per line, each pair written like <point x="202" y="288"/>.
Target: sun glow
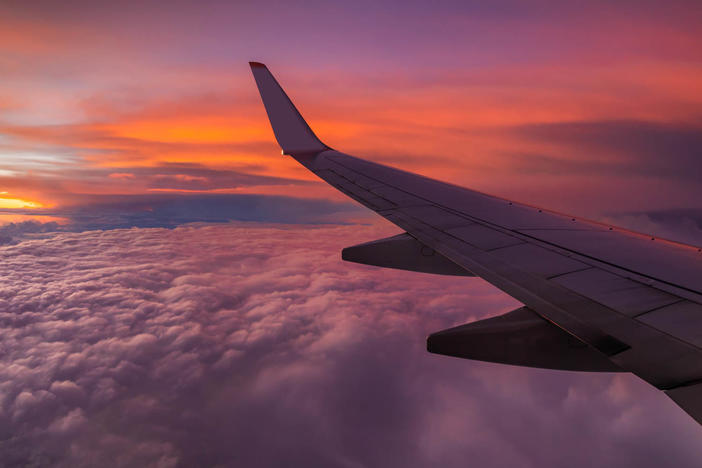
<point x="17" y="203"/>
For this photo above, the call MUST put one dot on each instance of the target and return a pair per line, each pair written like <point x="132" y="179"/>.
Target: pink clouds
<point x="256" y="345"/>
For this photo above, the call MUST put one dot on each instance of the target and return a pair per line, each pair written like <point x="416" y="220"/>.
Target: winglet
<point x="292" y="132"/>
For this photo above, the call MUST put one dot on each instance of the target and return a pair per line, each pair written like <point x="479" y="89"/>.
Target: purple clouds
<point x="252" y="345"/>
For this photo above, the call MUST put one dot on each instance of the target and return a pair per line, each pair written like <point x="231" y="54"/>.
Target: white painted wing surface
<point x="634" y="299"/>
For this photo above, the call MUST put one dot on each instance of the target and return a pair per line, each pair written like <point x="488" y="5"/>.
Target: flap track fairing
<point x="402" y="252"/>
<point x="520" y="338"/>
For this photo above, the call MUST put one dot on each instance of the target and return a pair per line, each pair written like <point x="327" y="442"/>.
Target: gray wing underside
<point x="629" y="301"/>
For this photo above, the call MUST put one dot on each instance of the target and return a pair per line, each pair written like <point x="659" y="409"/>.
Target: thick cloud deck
<point x="237" y="345"/>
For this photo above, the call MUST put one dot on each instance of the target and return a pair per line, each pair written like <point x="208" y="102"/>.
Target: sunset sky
<point x="119" y="119"/>
<point x="591" y="109"/>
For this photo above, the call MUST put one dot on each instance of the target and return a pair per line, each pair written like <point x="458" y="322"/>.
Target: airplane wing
<point x="596" y="297"/>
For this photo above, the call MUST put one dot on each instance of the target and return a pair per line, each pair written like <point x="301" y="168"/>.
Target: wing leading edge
<point x="596" y="297"/>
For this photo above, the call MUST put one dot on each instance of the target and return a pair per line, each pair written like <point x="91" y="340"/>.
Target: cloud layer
<point x="244" y="345"/>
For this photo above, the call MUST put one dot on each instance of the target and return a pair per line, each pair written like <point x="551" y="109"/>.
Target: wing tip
<point x="293" y="133"/>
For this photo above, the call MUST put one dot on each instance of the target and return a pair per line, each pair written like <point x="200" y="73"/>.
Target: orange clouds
<point x="121" y="175"/>
<point x="196" y="130"/>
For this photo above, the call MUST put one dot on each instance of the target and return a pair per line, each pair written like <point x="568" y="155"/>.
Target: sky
<point x="164" y="301"/>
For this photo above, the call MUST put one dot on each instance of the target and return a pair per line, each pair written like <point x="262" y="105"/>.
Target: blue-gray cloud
<point x="171" y="210"/>
<point x="11" y="233"/>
